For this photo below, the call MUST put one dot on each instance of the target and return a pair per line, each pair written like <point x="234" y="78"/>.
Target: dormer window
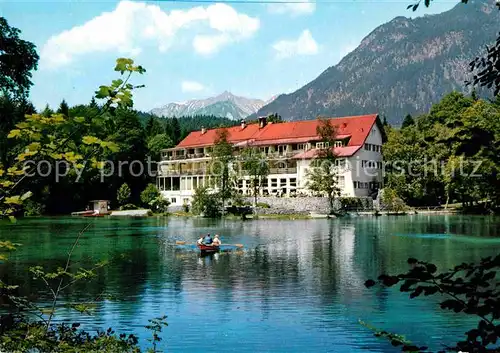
<point x="338" y="144"/>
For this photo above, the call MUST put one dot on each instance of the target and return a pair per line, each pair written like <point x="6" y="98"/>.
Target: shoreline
<point x="312" y="215"/>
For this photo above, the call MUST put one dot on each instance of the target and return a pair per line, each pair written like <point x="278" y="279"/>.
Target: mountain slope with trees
<point x="402" y="67"/>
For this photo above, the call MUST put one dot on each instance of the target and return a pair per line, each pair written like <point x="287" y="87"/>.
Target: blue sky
<point x="193" y="50"/>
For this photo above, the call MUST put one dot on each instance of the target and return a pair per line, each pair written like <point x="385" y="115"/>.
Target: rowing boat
<point x="208" y="249"/>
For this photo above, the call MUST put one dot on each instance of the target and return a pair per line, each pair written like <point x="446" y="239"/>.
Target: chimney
<point x="262" y="121"/>
<point x="203" y="130"/>
<point x="243" y="124"/>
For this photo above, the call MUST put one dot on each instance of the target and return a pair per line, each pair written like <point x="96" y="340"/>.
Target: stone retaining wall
<point x="173" y="208"/>
<point x="290" y="205"/>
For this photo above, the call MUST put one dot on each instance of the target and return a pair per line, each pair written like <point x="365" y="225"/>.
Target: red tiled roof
<point x="355" y="127"/>
<point x="235" y="134"/>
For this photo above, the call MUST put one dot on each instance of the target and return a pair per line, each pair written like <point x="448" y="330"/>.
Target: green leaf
<point x="103" y="92"/>
<point x="89" y="140"/>
<point x="26" y="195"/>
<point x="13" y="200"/>
<point x="116" y="83"/>
<point x="14" y="133"/>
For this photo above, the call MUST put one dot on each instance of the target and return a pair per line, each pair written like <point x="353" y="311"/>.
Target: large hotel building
<point x="289" y="148"/>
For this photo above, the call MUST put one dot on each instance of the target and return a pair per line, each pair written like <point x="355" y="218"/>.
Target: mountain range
<point x="225" y="105"/>
<point x="401" y="67"/>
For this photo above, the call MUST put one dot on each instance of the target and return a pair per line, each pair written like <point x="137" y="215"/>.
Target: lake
<point x="296" y="286"/>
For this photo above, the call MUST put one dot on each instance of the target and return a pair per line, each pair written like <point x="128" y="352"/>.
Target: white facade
<point x="359" y="175"/>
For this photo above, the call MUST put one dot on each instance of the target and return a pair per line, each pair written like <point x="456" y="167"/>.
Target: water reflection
<point x="296" y="286"/>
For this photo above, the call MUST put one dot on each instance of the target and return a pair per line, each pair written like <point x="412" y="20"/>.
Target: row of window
<point x="371" y="164"/>
<point x="298" y="147"/>
<point x="366" y="185"/>
<point x="265" y="183"/>
<point x="374" y="148"/>
<point x="327" y="144"/>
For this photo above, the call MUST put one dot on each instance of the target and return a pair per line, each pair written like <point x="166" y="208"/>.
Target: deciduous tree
<point x="256" y="167"/>
<point x="322" y="174"/>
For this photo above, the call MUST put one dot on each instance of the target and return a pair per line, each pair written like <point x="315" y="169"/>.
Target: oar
<point x="180" y="242"/>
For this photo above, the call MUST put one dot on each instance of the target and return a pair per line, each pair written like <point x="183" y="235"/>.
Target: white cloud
<point x="304" y="45"/>
<point x="294" y="9"/>
<point x="209" y="44"/>
<point x="191" y="86"/>
<point x="132" y="24"/>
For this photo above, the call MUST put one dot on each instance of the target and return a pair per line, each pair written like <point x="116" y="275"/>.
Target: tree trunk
<point x="255" y="194"/>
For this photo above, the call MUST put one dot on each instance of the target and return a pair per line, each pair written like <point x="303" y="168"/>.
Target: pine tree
<point x="474" y="95"/>
<point x="63" y="108"/>
<point x="408" y="121"/>
<point x="47" y="111"/>
<point x="153" y="127"/>
<point x="93" y="103"/>
<point x="176" y="130"/>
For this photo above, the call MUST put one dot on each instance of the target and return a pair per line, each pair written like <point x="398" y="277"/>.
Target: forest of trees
<point x="139" y="135"/>
<point x="451" y="154"/>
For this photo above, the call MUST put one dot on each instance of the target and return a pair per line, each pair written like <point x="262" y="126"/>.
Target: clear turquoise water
<point x="297" y="286"/>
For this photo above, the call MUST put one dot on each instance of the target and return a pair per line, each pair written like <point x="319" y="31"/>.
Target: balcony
<point x="270" y="155"/>
<point x="280" y="155"/>
<point x="283" y="170"/>
<point x="183" y="172"/>
<point x="186" y="156"/>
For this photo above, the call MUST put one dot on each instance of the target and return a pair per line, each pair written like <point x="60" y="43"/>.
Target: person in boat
<point x="208" y="240"/>
<point x="216" y="241"/>
<point x="200" y="241"/>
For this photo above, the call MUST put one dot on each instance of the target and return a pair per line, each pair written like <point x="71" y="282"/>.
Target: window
<point x="355" y="183"/>
<point x="293" y="182"/>
<point x="338" y="144"/>
<point x="264" y="183"/>
<point x="367" y="146"/>
<point x="301" y="146"/>
<point x="174" y="200"/>
<point x="340" y="162"/>
<point x="320" y="144"/>
<point x="176" y="184"/>
<point x="341" y="182"/>
<point x="274" y="183"/>
<point x="282" y="182"/>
